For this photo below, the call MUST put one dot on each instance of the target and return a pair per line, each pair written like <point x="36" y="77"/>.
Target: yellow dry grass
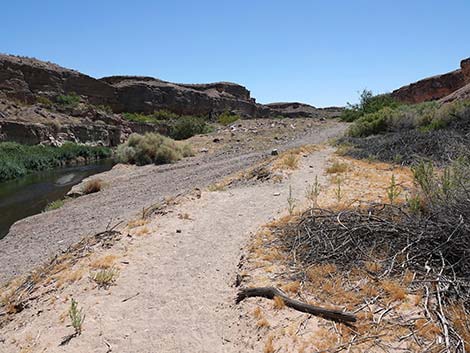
<point x="289" y="160"/>
<point x="104" y="262"/>
<point x="278" y="303"/>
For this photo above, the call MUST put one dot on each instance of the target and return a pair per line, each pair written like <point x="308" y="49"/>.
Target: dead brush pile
<point x="428" y="238"/>
<point x="441" y="144"/>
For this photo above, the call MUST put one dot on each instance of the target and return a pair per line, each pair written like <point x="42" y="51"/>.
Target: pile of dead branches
<point x="408" y="147"/>
<point x="434" y="249"/>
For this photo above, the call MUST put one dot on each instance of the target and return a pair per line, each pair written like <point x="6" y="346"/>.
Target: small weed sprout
<point x="313" y="191"/>
<point x="338" y="191"/>
<point x="393" y="190"/>
<point x="291" y="202"/>
<point x="105" y="277"/>
<point x="77" y="317"/>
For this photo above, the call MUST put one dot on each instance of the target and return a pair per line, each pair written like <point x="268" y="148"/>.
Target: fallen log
<point x="271" y="292"/>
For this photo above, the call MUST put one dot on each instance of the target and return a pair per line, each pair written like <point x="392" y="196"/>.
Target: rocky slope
<point x="30" y="88"/>
<point x="435" y="87"/>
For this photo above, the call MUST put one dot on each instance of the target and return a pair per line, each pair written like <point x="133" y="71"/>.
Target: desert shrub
<point x="44" y="101"/>
<point x="92" y="186"/>
<point x="425" y="116"/>
<point x="150" y="148"/>
<point x="178" y="127"/>
<point x="187" y="126"/>
<point x="227" y="118"/>
<point x="368" y="103"/>
<point x="105" y="108"/>
<point x="17" y="160"/>
<point x="68" y="100"/>
<point x="54" y="205"/>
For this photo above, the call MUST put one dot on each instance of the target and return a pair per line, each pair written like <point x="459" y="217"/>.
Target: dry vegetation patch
<point x="401" y="273"/>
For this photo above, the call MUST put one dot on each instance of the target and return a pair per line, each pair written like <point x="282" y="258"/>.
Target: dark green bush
<point x="427" y="116"/>
<point x="17" y="160"/>
<point x="368" y="103"/>
<point x="178" y="127"/>
<point x="227" y="118"/>
<point x="187" y="126"/>
<point x="68" y="100"/>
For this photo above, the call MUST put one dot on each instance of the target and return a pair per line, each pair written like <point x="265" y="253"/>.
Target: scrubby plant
<point x="77" y="317"/>
<point x="227" y="118"/>
<point x="337" y="167"/>
<point x="44" y="101"/>
<point x="312" y="192"/>
<point x="368" y="103"/>
<point x="105" y="277"/>
<point x="68" y="100"/>
<point x="187" y="126"/>
<point x="151" y="148"/>
<point x="393" y="191"/>
<point x="54" y="205"/>
<point x="291" y="202"/>
<point x="92" y="186"/>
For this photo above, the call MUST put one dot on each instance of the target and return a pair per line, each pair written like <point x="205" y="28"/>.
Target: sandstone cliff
<point x="435" y="87"/>
<point x="27" y="84"/>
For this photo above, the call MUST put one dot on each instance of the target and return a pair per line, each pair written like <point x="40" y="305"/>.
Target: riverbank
<point x="31" y="194"/>
<point x="18" y="160"/>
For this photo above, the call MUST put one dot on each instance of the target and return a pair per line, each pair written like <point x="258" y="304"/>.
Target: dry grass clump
<point x="151" y="148"/>
<point x="137" y="223"/>
<point x="269" y="346"/>
<point x="92" y="186"/>
<point x="104" y="262"/>
<point x="105" y="277"/>
<point x="279" y="303"/>
<point x="337" y="167"/>
<point x="394" y="290"/>
<point x="290" y="159"/>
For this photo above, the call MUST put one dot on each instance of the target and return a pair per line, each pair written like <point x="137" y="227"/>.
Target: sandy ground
<point x="175" y="291"/>
<point x="130" y="189"/>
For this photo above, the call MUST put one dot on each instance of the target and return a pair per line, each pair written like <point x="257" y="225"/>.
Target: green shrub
<point x="68" y="100"/>
<point x="368" y="103"/>
<point x="44" y="101"/>
<point x="178" y="127"/>
<point x="370" y="124"/>
<point x="17" y="160"/>
<point x="227" y="118"/>
<point x="150" y="148"/>
<point x="187" y="126"/>
<point x="424" y="116"/>
<point x="54" y="205"/>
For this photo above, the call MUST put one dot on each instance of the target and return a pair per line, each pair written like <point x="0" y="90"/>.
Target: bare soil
<point x="129" y="189"/>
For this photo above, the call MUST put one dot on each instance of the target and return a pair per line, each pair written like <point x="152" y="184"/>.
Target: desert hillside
<point x="224" y="225"/>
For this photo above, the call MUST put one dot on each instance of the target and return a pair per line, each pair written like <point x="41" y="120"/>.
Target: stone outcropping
<point x="26" y="79"/>
<point x="302" y="110"/>
<point x="435" y="87"/>
<point x="30" y="112"/>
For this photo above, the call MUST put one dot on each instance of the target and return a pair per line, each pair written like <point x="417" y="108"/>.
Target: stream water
<point x="29" y="195"/>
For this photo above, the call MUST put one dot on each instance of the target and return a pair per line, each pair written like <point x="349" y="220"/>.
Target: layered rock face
<point x="436" y="87"/>
<point x="25" y="79"/>
<point x="301" y="110"/>
<point x="147" y="94"/>
<point x="29" y="81"/>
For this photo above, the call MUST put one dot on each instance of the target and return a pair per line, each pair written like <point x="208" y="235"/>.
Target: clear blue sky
<point x="317" y="51"/>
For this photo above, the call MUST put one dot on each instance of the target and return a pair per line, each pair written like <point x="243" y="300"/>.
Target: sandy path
<point x="36" y="238"/>
<point x="184" y="280"/>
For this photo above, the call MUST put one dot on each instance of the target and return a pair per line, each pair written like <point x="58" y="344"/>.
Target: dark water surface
<point x="29" y="195"/>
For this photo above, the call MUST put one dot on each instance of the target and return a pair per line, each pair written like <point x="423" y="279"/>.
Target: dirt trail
<point x="34" y="239"/>
<point x="179" y="271"/>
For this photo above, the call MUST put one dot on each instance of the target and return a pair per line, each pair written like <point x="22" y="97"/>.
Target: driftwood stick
<point x="271" y="292"/>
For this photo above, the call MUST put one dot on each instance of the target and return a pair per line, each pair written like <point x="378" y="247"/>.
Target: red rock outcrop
<point x="465" y="67"/>
<point x="436" y="87"/>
